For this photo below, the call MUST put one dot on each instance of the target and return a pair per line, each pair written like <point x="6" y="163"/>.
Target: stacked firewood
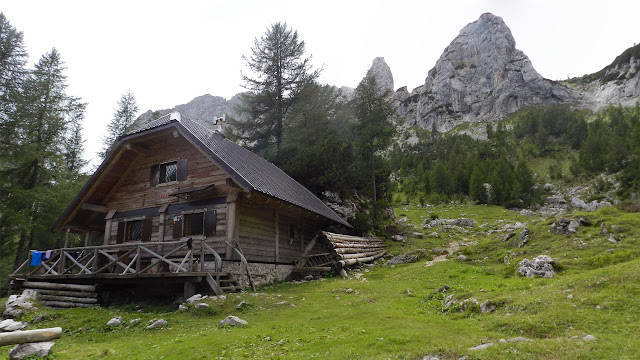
<point x="352" y="250"/>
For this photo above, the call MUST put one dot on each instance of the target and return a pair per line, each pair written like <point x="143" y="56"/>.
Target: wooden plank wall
<point x="257" y="232"/>
<point x="135" y="192"/>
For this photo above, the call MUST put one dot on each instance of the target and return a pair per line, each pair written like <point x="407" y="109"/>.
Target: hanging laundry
<point x="36" y="258"/>
<point x="48" y="254"/>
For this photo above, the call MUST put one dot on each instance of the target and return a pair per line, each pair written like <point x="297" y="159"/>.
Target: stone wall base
<point x="262" y="274"/>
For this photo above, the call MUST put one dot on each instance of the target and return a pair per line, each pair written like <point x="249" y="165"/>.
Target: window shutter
<point x="154" y="178"/>
<point x="146" y="229"/>
<point x="120" y="236"/>
<point x="177" y="227"/>
<point x="210" y="222"/>
<point x="182" y="169"/>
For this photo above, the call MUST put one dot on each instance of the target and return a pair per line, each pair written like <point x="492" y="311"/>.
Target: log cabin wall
<point x="257" y="232"/>
<point x="136" y="198"/>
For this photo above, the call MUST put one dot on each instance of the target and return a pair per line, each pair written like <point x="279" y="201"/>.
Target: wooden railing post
<point x="202" y="255"/>
<point x="138" y="259"/>
<point x="63" y="256"/>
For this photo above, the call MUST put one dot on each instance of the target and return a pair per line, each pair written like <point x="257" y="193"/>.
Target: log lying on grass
<point x="29" y="336"/>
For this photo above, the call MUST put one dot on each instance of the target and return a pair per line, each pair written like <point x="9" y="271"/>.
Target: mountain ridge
<point x="481" y="76"/>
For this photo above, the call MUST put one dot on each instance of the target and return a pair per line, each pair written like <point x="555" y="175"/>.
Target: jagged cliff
<point x="480" y="76"/>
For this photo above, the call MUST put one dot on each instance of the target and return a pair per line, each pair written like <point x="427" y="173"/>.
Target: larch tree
<point x="280" y="70"/>
<point x="373" y="129"/>
<point x="123" y="117"/>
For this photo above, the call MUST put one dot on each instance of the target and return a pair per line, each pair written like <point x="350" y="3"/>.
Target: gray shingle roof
<point x="248" y="169"/>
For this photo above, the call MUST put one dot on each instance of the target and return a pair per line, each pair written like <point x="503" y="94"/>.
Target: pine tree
<point x="477" y="191"/>
<point x="280" y="71"/>
<point x="123" y="117"/>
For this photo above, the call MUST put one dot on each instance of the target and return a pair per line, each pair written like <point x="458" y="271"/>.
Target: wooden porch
<point x="184" y="261"/>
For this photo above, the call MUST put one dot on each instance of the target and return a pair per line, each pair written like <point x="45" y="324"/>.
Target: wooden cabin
<point x="176" y="203"/>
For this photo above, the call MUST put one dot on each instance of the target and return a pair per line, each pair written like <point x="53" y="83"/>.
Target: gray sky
<point x="168" y="52"/>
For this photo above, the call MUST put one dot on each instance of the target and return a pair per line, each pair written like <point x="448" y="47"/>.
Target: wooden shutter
<point x="154" y="178"/>
<point x="182" y="170"/>
<point x="210" y="222"/>
<point x="146" y="229"/>
<point x="177" y="227"/>
<point x="120" y="236"/>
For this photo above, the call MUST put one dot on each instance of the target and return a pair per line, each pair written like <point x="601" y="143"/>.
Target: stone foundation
<point x="262" y="274"/>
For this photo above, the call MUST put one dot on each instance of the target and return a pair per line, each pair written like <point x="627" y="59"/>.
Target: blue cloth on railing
<point x="36" y="258"/>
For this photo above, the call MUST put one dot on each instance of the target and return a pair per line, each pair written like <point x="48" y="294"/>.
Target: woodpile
<point x="63" y="296"/>
<point x="351" y="250"/>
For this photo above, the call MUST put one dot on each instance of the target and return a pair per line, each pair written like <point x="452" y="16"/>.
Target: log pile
<point x="351" y="250"/>
<point x="63" y="296"/>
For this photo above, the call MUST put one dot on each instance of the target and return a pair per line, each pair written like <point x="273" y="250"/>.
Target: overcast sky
<point x="168" y="52"/>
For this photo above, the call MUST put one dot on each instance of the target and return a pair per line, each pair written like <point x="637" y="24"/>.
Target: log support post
<point x="232" y="223"/>
<point x="189" y="289"/>
<point x="107" y="226"/>
<point x="277" y="230"/>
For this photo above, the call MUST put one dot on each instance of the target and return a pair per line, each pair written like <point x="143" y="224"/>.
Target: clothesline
<point x="38" y="256"/>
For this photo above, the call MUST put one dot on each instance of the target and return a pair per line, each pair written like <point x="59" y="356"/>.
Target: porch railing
<point x="128" y="259"/>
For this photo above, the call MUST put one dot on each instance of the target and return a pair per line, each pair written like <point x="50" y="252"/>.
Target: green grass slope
<point x="396" y="312"/>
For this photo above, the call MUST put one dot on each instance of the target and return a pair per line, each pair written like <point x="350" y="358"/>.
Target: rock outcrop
<point x="480" y="76"/>
<point x="617" y="84"/>
<point x="382" y="73"/>
<point x="202" y="109"/>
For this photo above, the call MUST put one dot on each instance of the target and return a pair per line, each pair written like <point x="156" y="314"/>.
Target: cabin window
<point x="168" y="172"/>
<point x="195" y="223"/>
<point x="134" y="230"/>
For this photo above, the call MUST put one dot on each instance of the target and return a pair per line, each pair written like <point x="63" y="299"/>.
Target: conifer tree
<point x="123" y="117"/>
<point x="373" y="128"/>
<point x="35" y="169"/>
<point x="280" y="71"/>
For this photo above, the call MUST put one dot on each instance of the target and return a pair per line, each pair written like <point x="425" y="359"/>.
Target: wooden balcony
<point x="192" y="260"/>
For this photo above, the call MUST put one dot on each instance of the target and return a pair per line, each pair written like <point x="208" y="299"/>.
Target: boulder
<point x="481" y="347"/>
<point x="195" y="298"/>
<point x="462" y="257"/>
<point x="541" y="265"/>
<point x="243" y="305"/>
<point x="403" y="259"/>
<point x="523" y="237"/>
<point x="114" y="322"/>
<point x="232" y="321"/>
<point x="157" y="324"/>
<point x="202" y="306"/>
<point x="11" y="325"/>
<point x="38" y="349"/>
<point x="487" y="306"/>
<point x="183" y="308"/>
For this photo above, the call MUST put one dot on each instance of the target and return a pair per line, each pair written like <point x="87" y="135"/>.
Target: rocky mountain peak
<point x="480" y="76"/>
<point x="382" y="73"/>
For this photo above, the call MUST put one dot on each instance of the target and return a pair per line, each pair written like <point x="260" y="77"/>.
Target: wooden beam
<point x="93" y="207"/>
<point x="232" y="228"/>
<point x="277" y="237"/>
